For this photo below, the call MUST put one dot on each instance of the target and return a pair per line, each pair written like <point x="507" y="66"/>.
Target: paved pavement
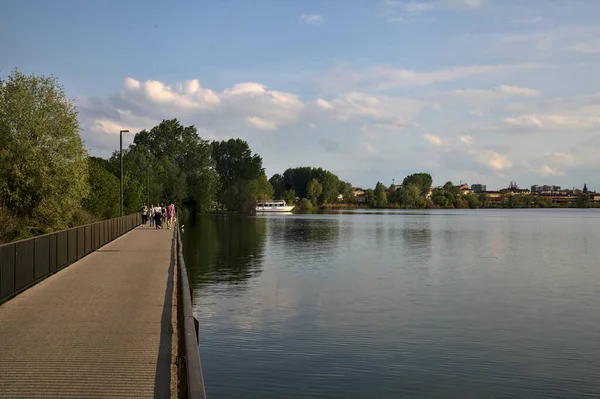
<point x="101" y="328"/>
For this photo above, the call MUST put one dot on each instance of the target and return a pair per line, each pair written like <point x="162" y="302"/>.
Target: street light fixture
<point x="121" y="156"/>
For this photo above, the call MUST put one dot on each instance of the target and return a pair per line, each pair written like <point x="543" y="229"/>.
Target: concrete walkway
<point x="101" y="328"/>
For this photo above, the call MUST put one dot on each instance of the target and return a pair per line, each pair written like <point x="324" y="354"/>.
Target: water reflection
<point x="224" y="249"/>
<point x="393" y="305"/>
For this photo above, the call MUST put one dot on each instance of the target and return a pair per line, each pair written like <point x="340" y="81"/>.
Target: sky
<point x="475" y="91"/>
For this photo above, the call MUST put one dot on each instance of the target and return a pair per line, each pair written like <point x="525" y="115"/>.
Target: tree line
<point x="49" y="182"/>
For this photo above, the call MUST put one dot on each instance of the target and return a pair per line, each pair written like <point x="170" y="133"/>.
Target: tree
<point x="370" y="198"/>
<point x="175" y="161"/>
<point x="347" y="192"/>
<point x="278" y="185"/>
<point x="289" y="196"/>
<point x="235" y="161"/>
<point x="103" y="200"/>
<point x="238" y="170"/>
<point x="381" y="200"/>
<point x="422" y="180"/>
<point x="411" y="197"/>
<point x="44" y="172"/>
<point x="472" y="201"/>
<point x="485" y="200"/>
<point x="583" y="201"/>
<point x="313" y="191"/>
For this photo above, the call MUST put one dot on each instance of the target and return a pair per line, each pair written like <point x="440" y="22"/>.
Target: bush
<point x="305" y="205"/>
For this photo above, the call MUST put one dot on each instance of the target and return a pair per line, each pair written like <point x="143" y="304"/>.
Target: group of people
<point x="159" y="215"/>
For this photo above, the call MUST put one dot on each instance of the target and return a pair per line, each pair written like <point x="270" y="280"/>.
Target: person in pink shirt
<point x="170" y="215"/>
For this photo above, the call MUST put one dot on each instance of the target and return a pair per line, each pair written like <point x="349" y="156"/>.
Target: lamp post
<point x="121" y="158"/>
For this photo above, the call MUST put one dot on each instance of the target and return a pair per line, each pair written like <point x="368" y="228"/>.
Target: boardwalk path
<point x="101" y="328"/>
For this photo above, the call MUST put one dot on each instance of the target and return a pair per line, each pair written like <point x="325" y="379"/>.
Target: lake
<point x="396" y="304"/>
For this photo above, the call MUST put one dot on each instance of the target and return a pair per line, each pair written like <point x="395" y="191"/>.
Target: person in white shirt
<point x="157" y="217"/>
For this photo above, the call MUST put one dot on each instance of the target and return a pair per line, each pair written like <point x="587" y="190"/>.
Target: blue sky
<point x="483" y="91"/>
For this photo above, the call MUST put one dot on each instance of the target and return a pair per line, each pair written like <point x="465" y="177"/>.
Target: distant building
<point x="478" y="188"/>
<point x="544" y="189"/>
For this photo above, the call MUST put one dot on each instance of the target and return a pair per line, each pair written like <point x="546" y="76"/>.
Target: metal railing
<point x="190" y="368"/>
<point x="25" y="263"/>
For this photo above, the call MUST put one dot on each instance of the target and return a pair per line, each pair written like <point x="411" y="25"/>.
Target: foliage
<point x="103" y="200"/>
<point x="421" y="180"/>
<point x="241" y="175"/>
<point x="289" y="196"/>
<point x="43" y="177"/>
<point x="583" y="201"/>
<point x="411" y="196"/>
<point x="305" y="204"/>
<point x="168" y="163"/>
<point x="313" y="191"/>
<point x="370" y="197"/>
<point x="347" y="192"/>
<point x="380" y="196"/>
<point x="278" y="185"/>
<point x="297" y="179"/>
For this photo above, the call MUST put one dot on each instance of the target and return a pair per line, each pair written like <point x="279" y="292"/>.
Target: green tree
<point x="411" y="197"/>
<point x="370" y="198"/>
<point x="381" y="200"/>
<point x="289" y="196"/>
<point x="235" y="161"/>
<point x="422" y="180"/>
<point x="313" y="191"/>
<point x="238" y="170"/>
<point x="298" y="178"/>
<point x="485" y="200"/>
<point x="393" y="195"/>
<point x="177" y="163"/>
<point x="583" y="201"/>
<point x="278" y="185"/>
<point x="103" y="200"/>
<point x="472" y="201"/>
<point x="347" y="192"/>
<point x="44" y="172"/>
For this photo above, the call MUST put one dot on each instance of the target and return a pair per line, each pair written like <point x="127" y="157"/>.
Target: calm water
<point x="441" y="304"/>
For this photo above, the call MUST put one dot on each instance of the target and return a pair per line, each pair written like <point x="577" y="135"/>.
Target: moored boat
<point x="273" y="206"/>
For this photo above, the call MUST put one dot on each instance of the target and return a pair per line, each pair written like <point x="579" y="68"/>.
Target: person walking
<point x="163" y="211"/>
<point x="157" y="217"/>
<point x="170" y="215"/>
<point x="144" y="214"/>
<point x="151" y="210"/>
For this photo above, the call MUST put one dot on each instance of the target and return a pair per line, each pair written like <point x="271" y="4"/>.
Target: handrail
<point x="25" y="263"/>
<point x="192" y="381"/>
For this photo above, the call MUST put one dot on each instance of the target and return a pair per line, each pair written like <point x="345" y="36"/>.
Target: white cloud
<point x="435" y="140"/>
<point x="386" y="77"/>
<point x="323" y="104"/>
<point x="517" y="91"/>
<point x="311" y="19"/>
<point x="393" y="110"/>
<point x="403" y="11"/>
<point x="549" y="121"/>
<point x="370" y="149"/>
<point x="589" y="47"/>
<point x="261" y="123"/>
<point x="533" y="20"/>
<point x="468" y="140"/>
<point x="582" y="39"/>
<point x="524" y="120"/>
<point x="492" y="159"/>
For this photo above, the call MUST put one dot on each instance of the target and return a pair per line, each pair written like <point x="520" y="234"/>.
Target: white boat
<point x="273" y="206"/>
